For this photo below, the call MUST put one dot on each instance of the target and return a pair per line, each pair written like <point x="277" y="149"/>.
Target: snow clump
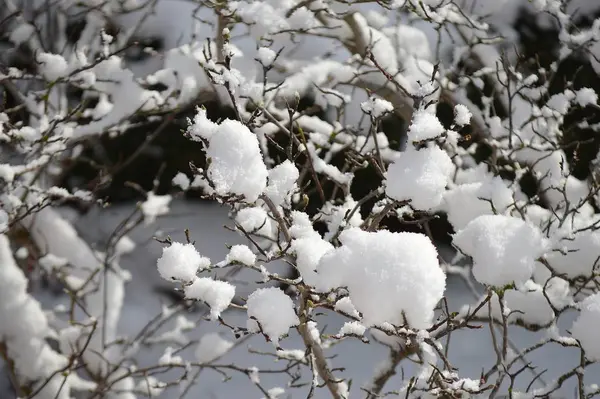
<point x="271" y="311"/>
<point x="420" y="176"/>
<point x="181" y="262"/>
<point x="376" y="107"/>
<point x="585" y="328"/>
<point x="387" y="274"/>
<point x="211" y="347"/>
<point x="236" y="163"/>
<point x="216" y="294"/>
<point x="425" y="126"/>
<point x="504" y="249"/>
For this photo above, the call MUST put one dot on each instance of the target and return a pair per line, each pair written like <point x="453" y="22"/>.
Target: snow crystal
<point x="503" y="248"/>
<point x="216" y="294"/>
<point x="424" y="126"/>
<point x="462" y="115"/>
<point x="236" y="164"/>
<point x="211" y="347"/>
<point x="266" y="56"/>
<point x="585" y="328"/>
<point x="376" y="107"/>
<point x="155" y="205"/>
<point x="387" y="275"/>
<point x="273" y="310"/>
<point x="181" y="262"/>
<point x="241" y="254"/>
<point x="420" y="176"/>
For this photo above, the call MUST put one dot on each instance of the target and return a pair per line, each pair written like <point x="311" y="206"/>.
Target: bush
<point x="356" y="161"/>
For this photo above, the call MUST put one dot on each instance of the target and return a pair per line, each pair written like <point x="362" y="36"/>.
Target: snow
<point x="570" y="250"/>
<point x="462" y="115"/>
<point x="181" y="180"/>
<point x="50" y="262"/>
<point x="534" y="304"/>
<point x="308" y="247"/>
<point x="216" y="294"/>
<point x="420" y="176"/>
<point x="181" y="262"/>
<point x="387" y="275"/>
<point x="256" y="220"/>
<point x="466" y="202"/>
<point x="424" y="126"/>
<point x="376" y="107"/>
<point x="282" y="183"/>
<point x="352" y="328"/>
<point x="266" y="19"/>
<point x="154" y="206"/>
<point x="7" y="173"/>
<point x="52" y="66"/>
<point x="274" y="312"/>
<point x="241" y="254"/>
<point x="124" y="246"/>
<point x="24" y="327"/>
<point x="22" y="33"/>
<point x="337" y="216"/>
<point x="309" y="250"/>
<point x="468" y="351"/>
<point x="201" y="127"/>
<point x="275" y="393"/>
<point x="168" y="359"/>
<point x="576" y="256"/>
<point x="266" y="56"/>
<point x="345" y="306"/>
<point x="503" y="248"/>
<point x="150" y="386"/>
<point x="236" y="164"/>
<point x="586" y="96"/>
<point x="586" y="326"/>
<point x="211" y="347"/>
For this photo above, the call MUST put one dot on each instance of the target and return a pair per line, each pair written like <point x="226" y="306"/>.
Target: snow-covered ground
<point x="471" y="350"/>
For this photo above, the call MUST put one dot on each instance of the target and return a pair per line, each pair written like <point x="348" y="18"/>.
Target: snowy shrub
<point x="388" y="153"/>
